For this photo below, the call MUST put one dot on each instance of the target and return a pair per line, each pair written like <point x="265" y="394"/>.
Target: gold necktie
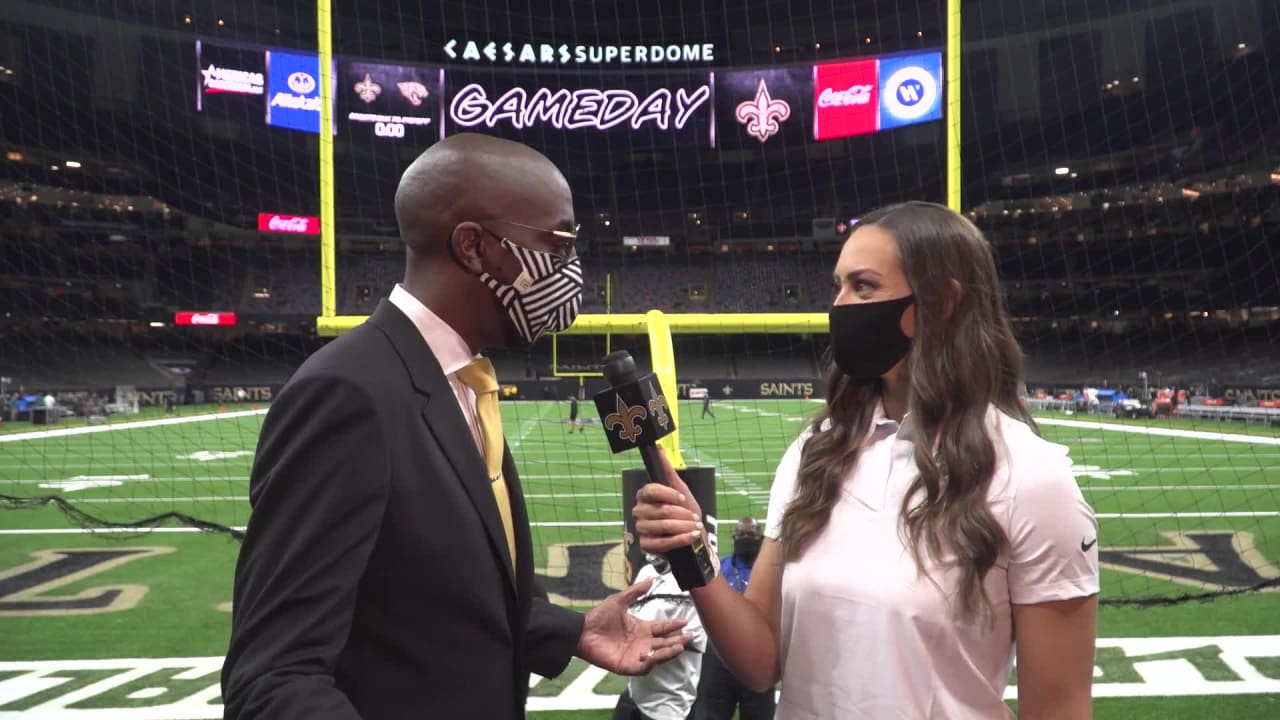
<point x="483" y="381"/>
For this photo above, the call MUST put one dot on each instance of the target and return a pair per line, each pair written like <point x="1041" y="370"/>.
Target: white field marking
<point x="614" y="472"/>
<point x="1162" y="432"/>
<point x="735" y="480"/>
<point x="74" y="485"/>
<point x="609" y="523"/>
<point x="612" y="476"/>
<point x="1181" y="515"/>
<point x="753" y="493"/>
<point x="528" y="425"/>
<point x="131" y="425"/>
<point x="175" y="501"/>
<point x="211" y="455"/>
<point x="88" y="482"/>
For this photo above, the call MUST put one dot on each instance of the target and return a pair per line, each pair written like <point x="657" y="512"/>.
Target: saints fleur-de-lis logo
<point x="658" y="408"/>
<point x="414" y="92"/>
<point x="626" y="418"/>
<point x="367" y="89"/>
<point x="763" y="115"/>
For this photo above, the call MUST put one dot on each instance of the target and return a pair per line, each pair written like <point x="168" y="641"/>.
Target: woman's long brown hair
<point x="961" y="363"/>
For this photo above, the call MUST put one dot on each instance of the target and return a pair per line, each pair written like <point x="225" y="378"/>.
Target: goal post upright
<point x="951" y="115"/>
<point x="328" y="234"/>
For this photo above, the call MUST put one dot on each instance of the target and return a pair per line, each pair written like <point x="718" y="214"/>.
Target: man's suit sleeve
<point x="552" y="635"/>
<point x="319" y="486"/>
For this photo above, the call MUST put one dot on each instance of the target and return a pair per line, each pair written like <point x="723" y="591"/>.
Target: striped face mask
<point x="545" y="297"/>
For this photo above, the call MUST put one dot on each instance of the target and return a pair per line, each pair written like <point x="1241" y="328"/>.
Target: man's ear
<point x="466" y="244"/>
<point x="954" y="295"/>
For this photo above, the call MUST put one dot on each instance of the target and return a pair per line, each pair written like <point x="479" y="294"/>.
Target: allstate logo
<point x="301" y="82"/>
<point x="910" y="93"/>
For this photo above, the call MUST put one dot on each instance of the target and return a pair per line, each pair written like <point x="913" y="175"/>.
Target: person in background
<point x="719" y="692"/>
<point x="574" y="420"/>
<point x="669" y="690"/>
<point x="706" y="406"/>
<point x="920" y="531"/>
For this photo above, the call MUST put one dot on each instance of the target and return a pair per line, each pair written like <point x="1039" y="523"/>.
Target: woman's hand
<point x="667" y="516"/>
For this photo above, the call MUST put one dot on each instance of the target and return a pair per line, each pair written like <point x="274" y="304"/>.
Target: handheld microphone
<point x="635" y="414"/>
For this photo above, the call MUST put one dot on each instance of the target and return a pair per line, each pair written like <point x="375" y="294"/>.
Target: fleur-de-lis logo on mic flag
<point x="658" y="407"/>
<point x="367" y="89"/>
<point x="763" y="116"/>
<point x="626" y="418"/>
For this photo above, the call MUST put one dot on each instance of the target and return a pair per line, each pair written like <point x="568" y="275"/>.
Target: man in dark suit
<point x="387" y="570"/>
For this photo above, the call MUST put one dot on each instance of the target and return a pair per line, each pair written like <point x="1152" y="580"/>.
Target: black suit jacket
<point x="374" y="580"/>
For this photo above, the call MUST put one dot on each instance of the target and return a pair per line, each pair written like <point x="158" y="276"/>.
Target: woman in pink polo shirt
<point x="919" y="530"/>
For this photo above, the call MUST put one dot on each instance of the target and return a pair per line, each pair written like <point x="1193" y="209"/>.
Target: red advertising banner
<point x="844" y="99"/>
<point x="293" y="224"/>
<point x="204" y="318"/>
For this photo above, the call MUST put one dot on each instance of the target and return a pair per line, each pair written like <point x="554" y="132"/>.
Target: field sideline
<point x="134" y="624"/>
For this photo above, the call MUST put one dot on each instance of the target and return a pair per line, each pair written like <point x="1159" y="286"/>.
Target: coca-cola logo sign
<point x="853" y="95"/>
<point x="845" y="101"/>
<point x="292" y="224"/>
<point x="204" y="318"/>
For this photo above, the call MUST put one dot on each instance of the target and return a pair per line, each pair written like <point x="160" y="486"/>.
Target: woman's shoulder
<point x="1023" y="457"/>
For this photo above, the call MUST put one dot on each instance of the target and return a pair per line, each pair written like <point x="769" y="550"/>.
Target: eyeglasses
<point x="567" y="239"/>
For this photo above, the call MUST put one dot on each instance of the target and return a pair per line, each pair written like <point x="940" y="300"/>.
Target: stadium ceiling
<point x="406" y="30"/>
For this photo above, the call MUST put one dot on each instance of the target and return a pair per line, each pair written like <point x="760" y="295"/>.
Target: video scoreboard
<point x="713" y="108"/>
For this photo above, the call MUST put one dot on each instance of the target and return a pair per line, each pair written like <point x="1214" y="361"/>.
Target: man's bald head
<point x="747" y="526"/>
<point x="471" y="177"/>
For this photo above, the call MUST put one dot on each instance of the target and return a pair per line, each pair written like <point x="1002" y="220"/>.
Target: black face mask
<point x="867" y="339"/>
<point x="746" y="548"/>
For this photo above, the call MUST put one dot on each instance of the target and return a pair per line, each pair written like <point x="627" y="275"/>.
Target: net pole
<point x="328" y="265"/>
<point x="953" y="105"/>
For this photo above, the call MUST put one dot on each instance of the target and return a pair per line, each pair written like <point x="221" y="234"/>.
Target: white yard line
<point x="726" y="474"/>
<point x="752" y="493"/>
<point x="131" y="425"/>
<point x="617" y="523"/>
<point x="1161" y="432"/>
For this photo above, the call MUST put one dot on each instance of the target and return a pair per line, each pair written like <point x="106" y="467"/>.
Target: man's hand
<point x="618" y="642"/>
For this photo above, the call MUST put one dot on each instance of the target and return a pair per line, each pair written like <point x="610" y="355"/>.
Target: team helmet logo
<point x="414" y="92"/>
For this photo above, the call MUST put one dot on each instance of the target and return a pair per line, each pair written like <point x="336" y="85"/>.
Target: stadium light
<point x="156" y="324"/>
<point x="1061" y="171"/>
<point x="72" y="163"/>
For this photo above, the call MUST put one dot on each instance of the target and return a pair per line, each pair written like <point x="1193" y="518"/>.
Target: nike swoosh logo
<point x="1084" y="546"/>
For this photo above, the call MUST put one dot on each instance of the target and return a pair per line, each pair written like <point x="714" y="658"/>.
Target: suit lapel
<point x="446" y="423"/>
